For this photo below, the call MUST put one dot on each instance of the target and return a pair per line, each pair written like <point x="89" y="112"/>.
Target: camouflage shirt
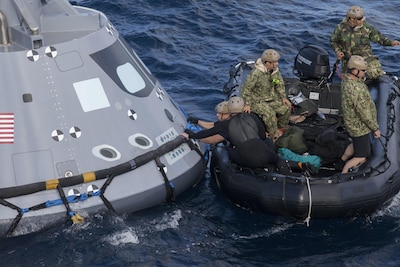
<point x="356" y="41"/>
<point x="359" y="111"/>
<point x="261" y="85"/>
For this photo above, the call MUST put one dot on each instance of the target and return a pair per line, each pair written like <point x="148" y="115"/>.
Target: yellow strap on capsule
<point x="52" y="184"/>
<point x="89" y="177"/>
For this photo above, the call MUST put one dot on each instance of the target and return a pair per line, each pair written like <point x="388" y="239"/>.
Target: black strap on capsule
<point x="169" y="186"/>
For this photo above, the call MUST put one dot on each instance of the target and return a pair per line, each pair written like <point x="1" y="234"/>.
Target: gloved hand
<point x="189" y="132"/>
<point x="193" y="120"/>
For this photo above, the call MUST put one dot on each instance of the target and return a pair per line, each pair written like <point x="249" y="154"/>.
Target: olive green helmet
<point x="235" y="105"/>
<point x="357" y="62"/>
<point x="355" y="12"/>
<point x="270" y="55"/>
<point x="222" y="107"/>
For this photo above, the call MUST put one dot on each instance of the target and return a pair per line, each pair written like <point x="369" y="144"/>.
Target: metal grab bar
<point x="4" y="37"/>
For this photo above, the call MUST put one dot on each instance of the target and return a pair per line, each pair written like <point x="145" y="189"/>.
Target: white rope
<point x="307" y="220"/>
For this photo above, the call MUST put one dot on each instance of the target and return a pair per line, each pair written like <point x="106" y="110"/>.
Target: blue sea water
<point x="190" y="45"/>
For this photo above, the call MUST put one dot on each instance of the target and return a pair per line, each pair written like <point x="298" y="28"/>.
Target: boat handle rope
<point x="391" y="119"/>
<point x="89" y="177"/>
<point x="284" y="190"/>
<point x="308" y="218"/>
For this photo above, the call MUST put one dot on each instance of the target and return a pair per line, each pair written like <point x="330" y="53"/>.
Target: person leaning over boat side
<point x="353" y="35"/>
<point x="222" y="112"/>
<point x="264" y="154"/>
<point x="359" y="111"/>
<point x="246" y="132"/>
<point x="264" y="93"/>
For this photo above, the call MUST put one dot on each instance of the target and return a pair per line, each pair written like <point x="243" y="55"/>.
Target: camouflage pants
<point x="374" y="70"/>
<point x="274" y="114"/>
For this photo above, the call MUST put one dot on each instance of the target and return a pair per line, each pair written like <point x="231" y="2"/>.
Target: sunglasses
<point x="360" y="18"/>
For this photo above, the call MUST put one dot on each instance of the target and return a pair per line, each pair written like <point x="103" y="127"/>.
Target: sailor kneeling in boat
<point x="250" y="147"/>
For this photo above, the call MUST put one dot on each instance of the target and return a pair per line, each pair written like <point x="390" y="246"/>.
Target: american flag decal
<point x="6" y="128"/>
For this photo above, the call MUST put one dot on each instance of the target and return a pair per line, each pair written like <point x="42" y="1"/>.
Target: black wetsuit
<point x="246" y="132"/>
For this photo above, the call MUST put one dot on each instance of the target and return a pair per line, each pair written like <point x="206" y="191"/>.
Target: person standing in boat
<point x="353" y="35"/>
<point x="250" y="146"/>
<point x="359" y="111"/>
<point x="222" y="112"/>
<point x="264" y="93"/>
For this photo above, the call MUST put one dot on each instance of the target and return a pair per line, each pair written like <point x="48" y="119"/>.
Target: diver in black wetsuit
<point x="250" y="146"/>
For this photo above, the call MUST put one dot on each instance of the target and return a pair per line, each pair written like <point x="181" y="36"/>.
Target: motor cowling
<point x="312" y="63"/>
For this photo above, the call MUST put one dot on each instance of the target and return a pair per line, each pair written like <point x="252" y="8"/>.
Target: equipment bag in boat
<point x="287" y="154"/>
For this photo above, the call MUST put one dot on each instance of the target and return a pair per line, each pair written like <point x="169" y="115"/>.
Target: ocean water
<point x="190" y="45"/>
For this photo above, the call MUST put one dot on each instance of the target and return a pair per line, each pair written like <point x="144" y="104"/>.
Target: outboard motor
<point x="312" y="63"/>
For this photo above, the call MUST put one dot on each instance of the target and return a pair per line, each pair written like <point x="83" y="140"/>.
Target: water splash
<point x="267" y="233"/>
<point x="169" y="221"/>
<point x="124" y="237"/>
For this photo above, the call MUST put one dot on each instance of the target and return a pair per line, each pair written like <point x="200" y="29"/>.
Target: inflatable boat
<point x="329" y="193"/>
<point x="85" y="127"/>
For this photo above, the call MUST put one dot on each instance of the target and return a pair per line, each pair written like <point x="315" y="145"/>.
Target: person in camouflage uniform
<point x="264" y="93"/>
<point x="359" y="111"/>
<point x="353" y="35"/>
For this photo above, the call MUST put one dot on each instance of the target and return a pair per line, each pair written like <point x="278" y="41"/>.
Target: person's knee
<point x="353" y="163"/>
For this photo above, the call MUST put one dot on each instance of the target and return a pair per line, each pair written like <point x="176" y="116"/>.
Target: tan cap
<point x="355" y="12"/>
<point x="235" y="105"/>
<point x="357" y="62"/>
<point x="222" y="107"/>
<point x="270" y="55"/>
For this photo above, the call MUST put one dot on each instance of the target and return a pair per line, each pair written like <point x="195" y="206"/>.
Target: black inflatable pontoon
<point x="328" y="194"/>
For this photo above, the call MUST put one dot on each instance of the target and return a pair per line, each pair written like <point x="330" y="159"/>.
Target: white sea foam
<point x="169" y="220"/>
<point x="124" y="237"/>
<point x="393" y="209"/>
